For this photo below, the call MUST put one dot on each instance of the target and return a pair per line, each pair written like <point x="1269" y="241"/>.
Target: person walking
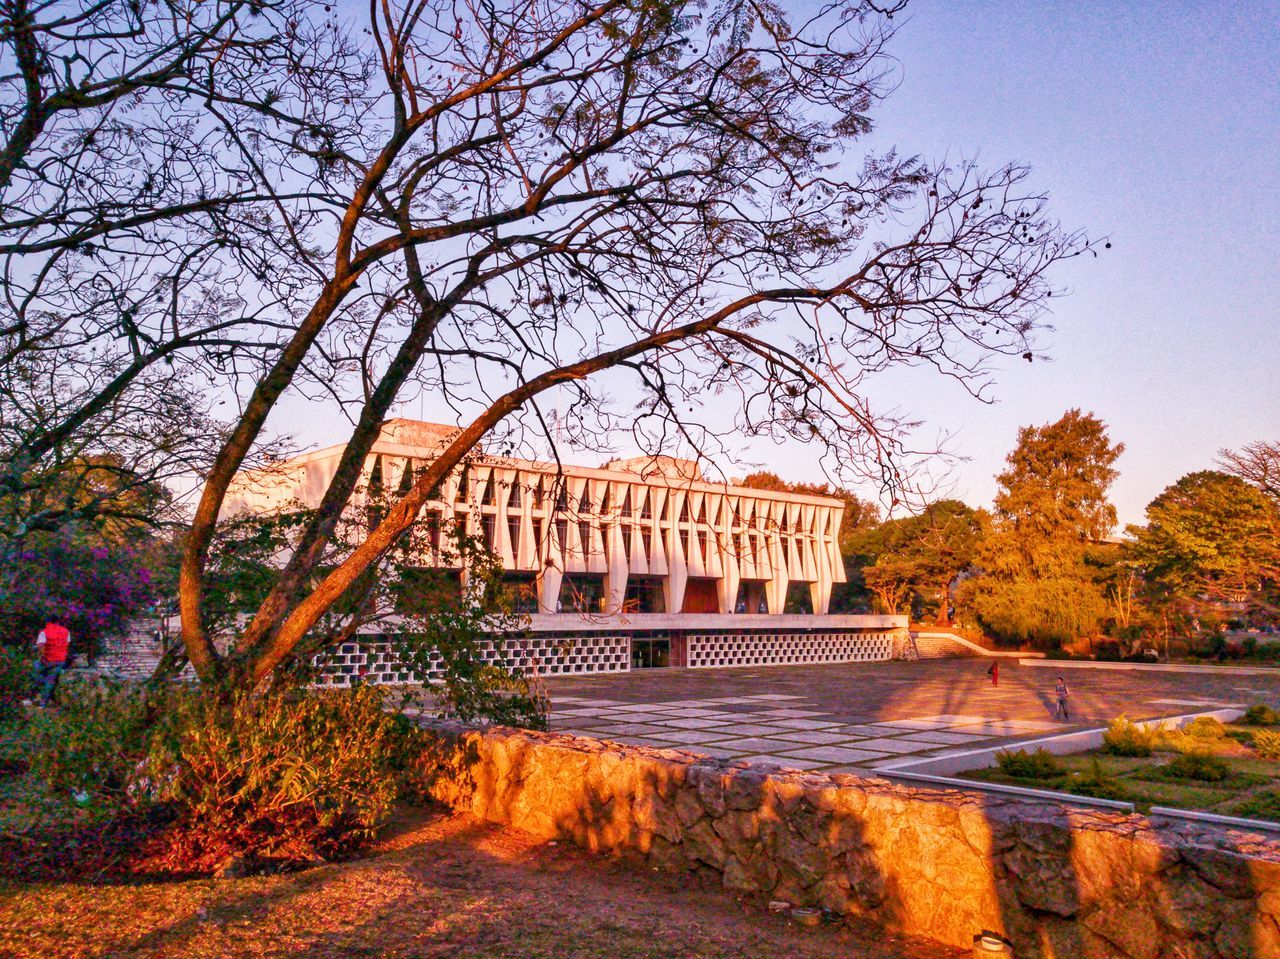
<point x="994" y="672"/>
<point x="1061" y="692"/>
<point x="53" y="646"/>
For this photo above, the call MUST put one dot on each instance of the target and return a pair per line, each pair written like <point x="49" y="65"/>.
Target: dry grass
<point x="437" y="886"/>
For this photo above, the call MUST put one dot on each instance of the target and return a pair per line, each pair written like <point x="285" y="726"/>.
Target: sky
<point x="1156" y="125"/>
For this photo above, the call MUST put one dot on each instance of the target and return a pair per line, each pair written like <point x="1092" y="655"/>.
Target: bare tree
<point x="1257" y="464"/>
<point x="161" y="165"/>
<point x="530" y="199"/>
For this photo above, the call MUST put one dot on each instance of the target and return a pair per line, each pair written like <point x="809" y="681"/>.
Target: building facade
<point x="638" y="562"/>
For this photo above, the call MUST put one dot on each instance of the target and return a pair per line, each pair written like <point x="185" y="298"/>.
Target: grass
<point x="1179" y="773"/>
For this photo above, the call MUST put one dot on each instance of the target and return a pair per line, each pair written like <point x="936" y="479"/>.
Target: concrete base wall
<point x="946" y="864"/>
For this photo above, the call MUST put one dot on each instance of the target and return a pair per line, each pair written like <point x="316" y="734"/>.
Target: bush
<point x="91" y="746"/>
<point x="1024" y="765"/>
<point x="283" y="775"/>
<point x="1123" y="738"/>
<point x="1204" y="728"/>
<point x="1098" y="783"/>
<point x="1196" y="765"/>
<point x="1267" y="743"/>
<point x="1260" y="715"/>
<point x="1261" y="805"/>
<point x="16" y="683"/>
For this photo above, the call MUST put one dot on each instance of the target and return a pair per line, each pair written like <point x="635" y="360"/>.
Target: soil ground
<point x="438" y="885"/>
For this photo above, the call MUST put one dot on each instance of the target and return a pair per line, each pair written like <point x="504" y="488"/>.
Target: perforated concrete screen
<point x="775" y="649"/>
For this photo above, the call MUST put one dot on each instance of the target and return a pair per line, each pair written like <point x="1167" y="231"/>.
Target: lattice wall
<point x="376" y="661"/>
<point x="710" y="650"/>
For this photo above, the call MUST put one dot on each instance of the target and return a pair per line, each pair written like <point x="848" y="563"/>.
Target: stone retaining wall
<point x="945" y="864"/>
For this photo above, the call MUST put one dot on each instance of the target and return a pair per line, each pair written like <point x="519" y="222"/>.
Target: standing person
<point x="1060" y="690"/>
<point x="52" y="648"/>
<point x="994" y="672"/>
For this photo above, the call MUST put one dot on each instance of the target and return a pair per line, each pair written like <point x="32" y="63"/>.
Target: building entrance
<point x="650" y="653"/>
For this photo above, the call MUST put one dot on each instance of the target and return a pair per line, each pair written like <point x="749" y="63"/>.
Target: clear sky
<point x="1156" y="124"/>
<point x="1159" y="125"/>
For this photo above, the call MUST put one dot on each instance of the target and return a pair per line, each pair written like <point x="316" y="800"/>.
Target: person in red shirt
<point x="53" y="646"/>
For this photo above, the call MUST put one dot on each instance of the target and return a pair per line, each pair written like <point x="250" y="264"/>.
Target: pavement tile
<point x="894" y="745"/>
<point x="764" y="696"/>
<point x="834" y="754"/>
<point x="687" y="736"/>
<point x="941" y="739"/>
<point x="792" y="713"/>
<point x="786" y="762"/>
<point x="753" y="729"/>
<point x="628" y="729"/>
<point x="917" y="724"/>
<point x="716" y="751"/>
<point x="754" y="744"/>
<point x="690" y="722"/>
<point x="862" y="730"/>
<point x="816" y="737"/>
<point x="804" y="723"/>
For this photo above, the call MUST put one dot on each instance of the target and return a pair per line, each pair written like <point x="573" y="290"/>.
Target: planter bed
<point x="1250" y="787"/>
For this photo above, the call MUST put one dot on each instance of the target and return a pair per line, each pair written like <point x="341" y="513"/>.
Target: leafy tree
<point x="1211" y="538"/>
<point x="1051" y="506"/>
<point x="923" y="555"/>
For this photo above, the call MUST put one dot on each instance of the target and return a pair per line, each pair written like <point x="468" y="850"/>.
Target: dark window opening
<point x="751" y="598"/>
<point x="644" y="595"/>
<point x="522" y="591"/>
<point x="650" y="653"/>
<point x="581" y="593"/>
<point x="799" y="599"/>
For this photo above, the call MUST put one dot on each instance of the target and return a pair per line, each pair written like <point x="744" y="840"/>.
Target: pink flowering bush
<point x="97" y="589"/>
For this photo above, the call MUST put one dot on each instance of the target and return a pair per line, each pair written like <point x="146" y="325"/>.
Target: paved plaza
<point x="867" y="715"/>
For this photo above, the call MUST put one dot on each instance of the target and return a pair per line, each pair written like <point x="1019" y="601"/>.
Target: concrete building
<point x="638" y="562"/>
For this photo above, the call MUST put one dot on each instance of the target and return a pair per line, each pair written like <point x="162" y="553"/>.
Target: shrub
<point x="1261" y="805"/>
<point x="1204" y="727"/>
<point x="1024" y="765"/>
<point x="1260" y="715"/>
<point x="280" y="775"/>
<point x="1123" y="738"/>
<point x="91" y="746"/>
<point x="1196" y="765"/>
<point x="1267" y="743"/>
<point x="1097" y="783"/>
<point x="16" y="683"/>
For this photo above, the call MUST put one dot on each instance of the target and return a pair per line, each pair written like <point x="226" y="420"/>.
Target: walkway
<point x="861" y="715"/>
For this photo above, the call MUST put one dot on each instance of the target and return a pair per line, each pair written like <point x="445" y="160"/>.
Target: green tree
<point x="1212" y="538"/>
<point x="922" y="555"/>
<point x="1051" y="506"/>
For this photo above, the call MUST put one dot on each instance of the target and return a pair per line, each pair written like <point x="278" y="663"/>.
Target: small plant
<point x="1123" y="738"/>
<point x="1267" y="743"/>
<point x="1261" y="805"/>
<point x="1099" y="784"/>
<point x="1260" y="714"/>
<point x="1200" y="766"/>
<point x="1204" y="728"/>
<point x="1024" y="765"/>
